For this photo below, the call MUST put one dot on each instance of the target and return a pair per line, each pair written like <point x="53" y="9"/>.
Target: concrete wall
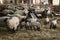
<point x="1" y="1"/>
<point x="20" y="1"/>
<point x="55" y="2"/>
<point x="32" y="1"/>
<point x="37" y="1"/>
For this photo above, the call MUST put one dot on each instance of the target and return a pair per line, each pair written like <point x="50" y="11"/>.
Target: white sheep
<point x="13" y="23"/>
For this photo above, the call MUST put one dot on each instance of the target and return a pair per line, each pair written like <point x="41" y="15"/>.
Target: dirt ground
<point x="44" y="34"/>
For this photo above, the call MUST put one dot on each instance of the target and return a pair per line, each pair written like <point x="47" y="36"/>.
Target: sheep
<point x="49" y="12"/>
<point x="20" y="12"/>
<point x="22" y="19"/>
<point x="35" y="24"/>
<point x="31" y="23"/>
<point x="44" y="13"/>
<point x="6" y="12"/>
<point x="38" y="9"/>
<point x="46" y="20"/>
<point x="12" y="23"/>
<point x="11" y="7"/>
<point x="53" y="24"/>
<point x="28" y="23"/>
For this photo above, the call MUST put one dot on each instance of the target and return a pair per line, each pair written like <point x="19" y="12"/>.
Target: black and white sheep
<point x="44" y="13"/>
<point x="49" y="12"/>
<point x="53" y="24"/>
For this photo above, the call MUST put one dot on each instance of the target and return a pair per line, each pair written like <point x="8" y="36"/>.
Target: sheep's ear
<point x="5" y="20"/>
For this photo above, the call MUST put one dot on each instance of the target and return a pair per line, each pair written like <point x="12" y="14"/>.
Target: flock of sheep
<point x="16" y="17"/>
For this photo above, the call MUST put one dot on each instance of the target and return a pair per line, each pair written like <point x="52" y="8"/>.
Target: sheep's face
<point x="13" y="22"/>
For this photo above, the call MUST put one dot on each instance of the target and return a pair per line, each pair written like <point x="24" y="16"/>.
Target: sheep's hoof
<point x="38" y="29"/>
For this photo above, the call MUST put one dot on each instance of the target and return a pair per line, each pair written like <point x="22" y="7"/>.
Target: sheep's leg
<point x="13" y="30"/>
<point x="34" y="27"/>
<point x="26" y="27"/>
<point x="18" y="27"/>
<point x="30" y="27"/>
<point x="21" y="26"/>
<point x="46" y="22"/>
<point x="54" y="26"/>
<point x="38" y="28"/>
<point x="51" y="26"/>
